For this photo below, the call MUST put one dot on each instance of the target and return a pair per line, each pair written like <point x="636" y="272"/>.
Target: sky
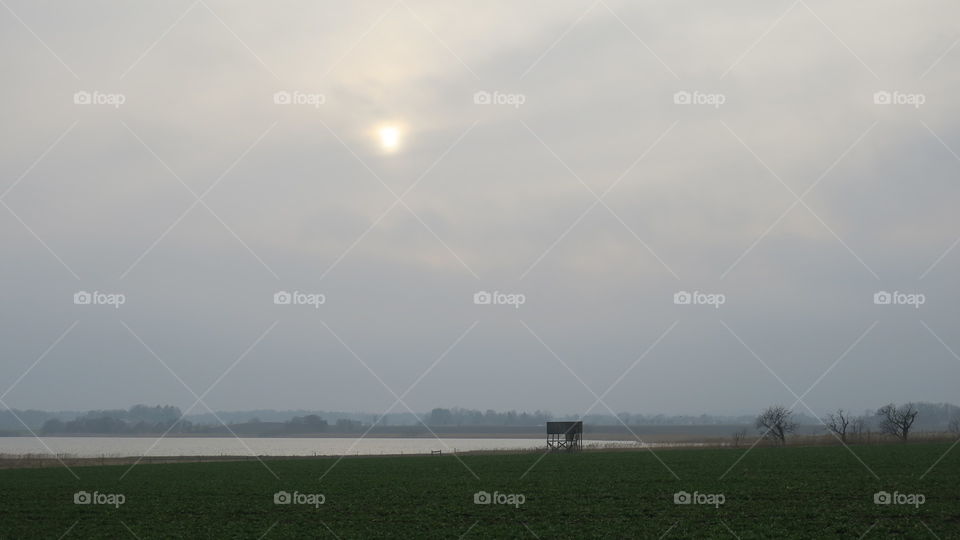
<point x="676" y="207"/>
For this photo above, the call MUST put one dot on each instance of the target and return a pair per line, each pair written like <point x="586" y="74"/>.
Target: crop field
<point x="792" y="492"/>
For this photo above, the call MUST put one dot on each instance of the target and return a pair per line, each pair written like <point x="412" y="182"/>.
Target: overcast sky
<point x="586" y="184"/>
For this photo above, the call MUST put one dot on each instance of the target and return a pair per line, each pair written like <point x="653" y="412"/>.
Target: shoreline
<point x="41" y="461"/>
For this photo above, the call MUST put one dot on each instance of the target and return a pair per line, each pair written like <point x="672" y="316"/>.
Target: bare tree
<point x="897" y="421"/>
<point x="858" y="424"/>
<point x="954" y="427"/>
<point x="838" y="423"/>
<point x="776" y="422"/>
<point x="739" y="437"/>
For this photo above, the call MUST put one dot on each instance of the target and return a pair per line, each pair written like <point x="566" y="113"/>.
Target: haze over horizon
<point x="422" y="159"/>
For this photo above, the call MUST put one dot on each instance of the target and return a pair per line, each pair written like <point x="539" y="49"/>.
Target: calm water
<point x="215" y="446"/>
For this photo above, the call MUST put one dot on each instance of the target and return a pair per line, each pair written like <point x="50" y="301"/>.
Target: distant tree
<point x="858" y="424"/>
<point x="838" y="423"/>
<point x="441" y="417"/>
<point x="954" y="426"/>
<point x="346" y="425"/>
<point x="897" y="421"/>
<point x="739" y="437"/>
<point x="52" y="426"/>
<point x="776" y="422"/>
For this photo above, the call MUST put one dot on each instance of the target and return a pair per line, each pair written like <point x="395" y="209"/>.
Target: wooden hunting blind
<point x="565" y="435"/>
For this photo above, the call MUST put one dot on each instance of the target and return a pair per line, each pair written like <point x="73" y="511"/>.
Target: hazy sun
<point x="389" y="137"/>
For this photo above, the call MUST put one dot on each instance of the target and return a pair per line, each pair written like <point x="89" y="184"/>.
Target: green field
<point x="793" y="492"/>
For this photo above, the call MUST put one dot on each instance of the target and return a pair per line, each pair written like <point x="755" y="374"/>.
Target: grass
<point x="793" y="492"/>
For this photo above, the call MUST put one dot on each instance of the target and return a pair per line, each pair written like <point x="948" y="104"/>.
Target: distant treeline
<point x="142" y="419"/>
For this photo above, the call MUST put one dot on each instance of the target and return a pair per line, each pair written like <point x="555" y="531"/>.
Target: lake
<point x="262" y="446"/>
